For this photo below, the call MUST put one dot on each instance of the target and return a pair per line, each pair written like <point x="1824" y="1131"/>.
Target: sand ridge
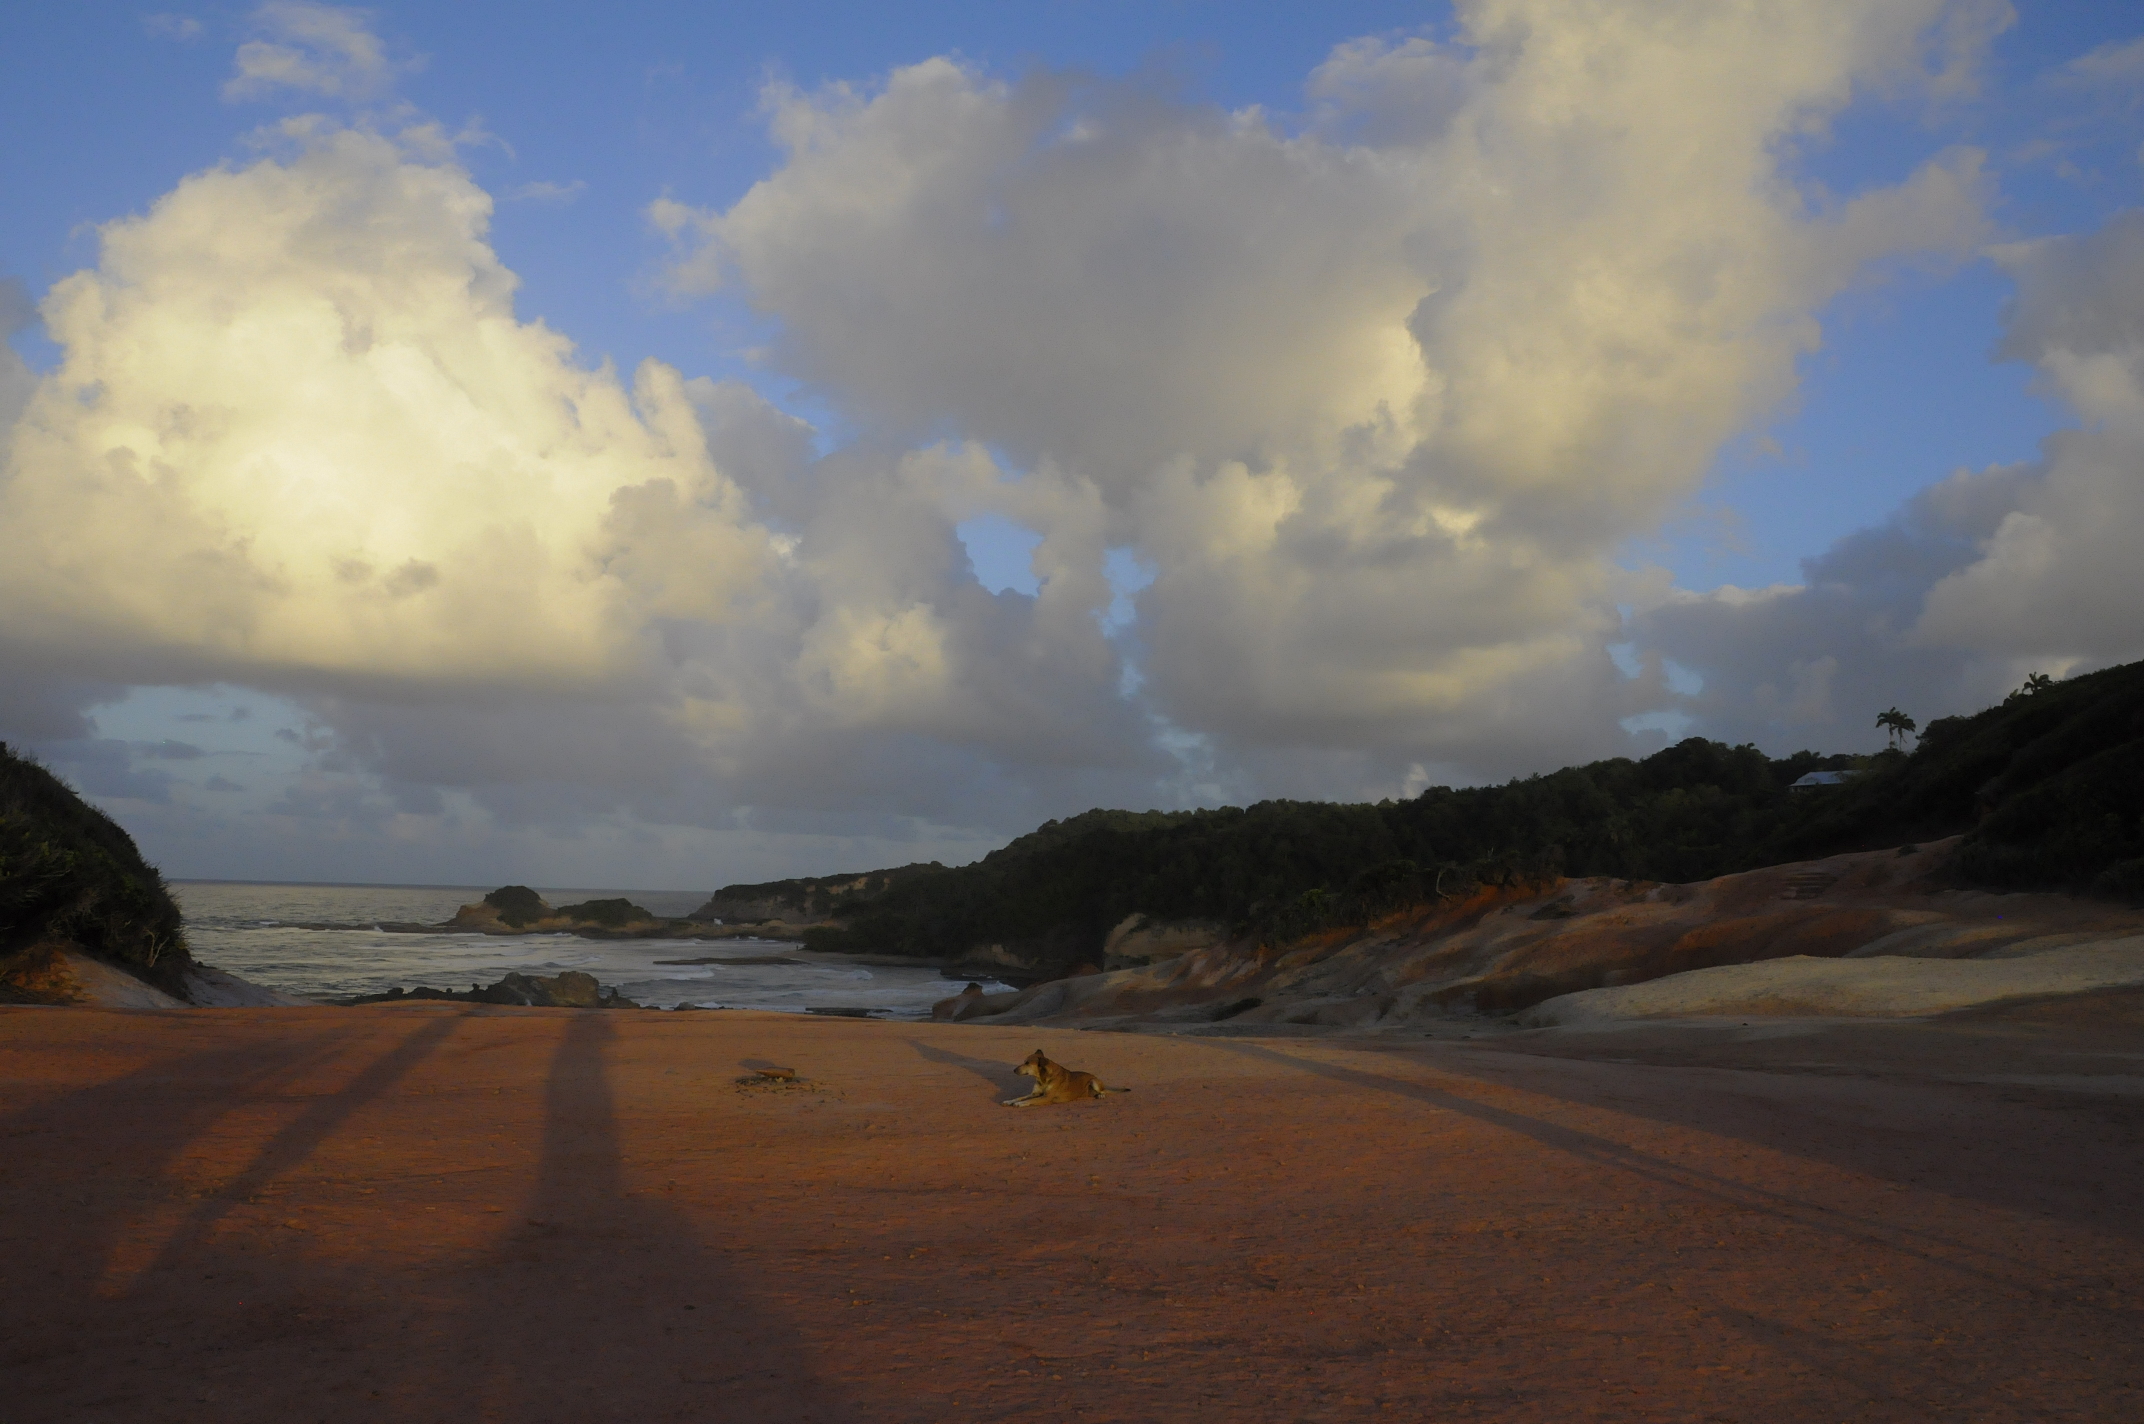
<point x="434" y="1213"/>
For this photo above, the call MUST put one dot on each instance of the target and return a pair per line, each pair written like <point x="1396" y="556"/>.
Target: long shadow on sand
<point x="1860" y="1238"/>
<point x="1980" y="1261"/>
<point x="591" y="1300"/>
<point x="49" y="1144"/>
<point x="600" y="1304"/>
<point x="2075" y="1156"/>
<point x="1000" y="1076"/>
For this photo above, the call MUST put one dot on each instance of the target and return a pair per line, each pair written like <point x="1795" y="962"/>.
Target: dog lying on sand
<point x="1055" y="1083"/>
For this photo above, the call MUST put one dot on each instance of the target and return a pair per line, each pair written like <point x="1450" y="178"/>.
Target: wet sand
<point x="468" y="1213"/>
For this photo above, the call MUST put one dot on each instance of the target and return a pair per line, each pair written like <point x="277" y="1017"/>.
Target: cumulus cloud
<point x="1808" y="665"/>
<point x="1981" y="578"/>
<point x="300" y="441"/>
<point x="2058" y="580"/>
<point x="1378" y="400"/>
<point x="310" y="48"/>
<point x="296" y="407"/>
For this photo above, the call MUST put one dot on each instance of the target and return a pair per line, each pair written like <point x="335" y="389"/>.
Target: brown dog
<point x="1055" y="1083"/>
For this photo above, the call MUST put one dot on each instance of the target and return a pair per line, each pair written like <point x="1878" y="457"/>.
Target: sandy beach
<point x="466" y="1213"/>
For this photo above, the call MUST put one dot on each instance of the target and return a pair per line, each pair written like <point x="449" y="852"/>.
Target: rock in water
<point x="572" y="989"/>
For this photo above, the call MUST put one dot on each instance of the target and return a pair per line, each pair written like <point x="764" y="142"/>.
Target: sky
<point x="670" y="445"/>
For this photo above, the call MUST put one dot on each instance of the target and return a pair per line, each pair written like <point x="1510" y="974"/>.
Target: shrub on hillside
<point x="611" y="914"/>
<point x="69" y="874"/>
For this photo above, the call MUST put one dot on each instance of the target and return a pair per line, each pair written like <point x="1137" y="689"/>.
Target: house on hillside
<point x="1821" y="778"/>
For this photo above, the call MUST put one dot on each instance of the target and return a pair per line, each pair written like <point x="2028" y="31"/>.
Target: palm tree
<point x="1897" y="723"/>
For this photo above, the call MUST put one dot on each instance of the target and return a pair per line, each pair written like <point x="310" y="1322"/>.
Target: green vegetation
<point x="611" y="914"/>
<point x="517" y="905"/>
<point x="69" y="874"/>
<point x="2050" y="785"/>
<point x="806" y="897"/>
<point x="1282" y="868"/>
<point x="1897" y="724"/>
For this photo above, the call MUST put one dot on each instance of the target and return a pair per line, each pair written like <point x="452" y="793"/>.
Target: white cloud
<point x="2058" y="579"/>
<point x="1981" y="578"/>
<point x="1378" y="401"/>
<point x="328" y="50"/>
<point x="2115" y="64"/>
<point x="297" y="410"/>
<point x="168" y="26"/>
<point x="545" y="191"/>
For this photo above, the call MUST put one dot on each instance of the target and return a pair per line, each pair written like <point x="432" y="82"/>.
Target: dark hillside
<point x="2049" y="784"/>
<point x="70" y="875"/>
<point x="809" y="897"/>
<point x="1280" y="867"/>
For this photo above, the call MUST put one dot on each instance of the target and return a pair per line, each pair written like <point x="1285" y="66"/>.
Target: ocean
<point x="324" y="942"/>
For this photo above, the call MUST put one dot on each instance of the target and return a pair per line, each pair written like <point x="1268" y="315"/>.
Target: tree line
<point x="2049" y="785"/>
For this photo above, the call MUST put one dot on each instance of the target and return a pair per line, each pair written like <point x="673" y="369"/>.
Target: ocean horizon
<point x="324" y="941"/>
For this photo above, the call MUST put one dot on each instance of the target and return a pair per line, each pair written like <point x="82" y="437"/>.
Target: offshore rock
<point x="572" y="989"/>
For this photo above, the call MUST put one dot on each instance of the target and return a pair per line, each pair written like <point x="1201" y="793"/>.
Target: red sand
<point x="532" y="1215"/>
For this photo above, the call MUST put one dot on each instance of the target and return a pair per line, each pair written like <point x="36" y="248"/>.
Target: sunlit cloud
<point x="315" y="49"/>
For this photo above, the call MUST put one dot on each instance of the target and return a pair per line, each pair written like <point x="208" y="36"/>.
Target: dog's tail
<point x="1116" y="1090"/>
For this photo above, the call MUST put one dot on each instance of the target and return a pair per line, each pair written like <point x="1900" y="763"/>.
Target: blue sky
<point x="576" y="120"/>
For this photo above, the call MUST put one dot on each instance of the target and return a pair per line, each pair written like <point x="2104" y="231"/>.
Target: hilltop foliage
<point x="612" y="914"/>
<point x="809" y="896"/>
<point x="69" y="874"/>
<point x="518" y="905"/>
<point x="2050" y="783"/>
<point x="1284" y="867"/>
